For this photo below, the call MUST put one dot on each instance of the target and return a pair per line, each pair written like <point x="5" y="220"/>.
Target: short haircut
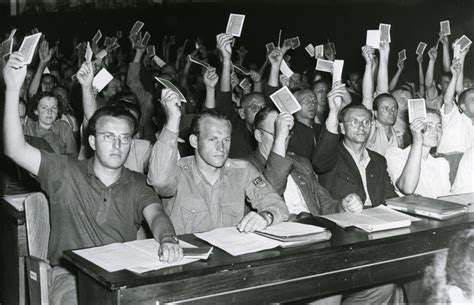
<point x="49" y="75"/>
<point x="262" y="115"/>
<point x="128" y="100"/>
<point x="34" y="102"/>
<point x="434" y="111"/>
<point x="320" y="81"/>
<point x="349" y="107"/>
<point x="380" y="98"/>
<point x="248" y="97"/>
<point x="463" y="95"/>
<point x="112" y="111"/>
<point x="196" y="122"/>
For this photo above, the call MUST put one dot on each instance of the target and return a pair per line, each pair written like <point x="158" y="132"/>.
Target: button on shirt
<point x="361" y="163"/>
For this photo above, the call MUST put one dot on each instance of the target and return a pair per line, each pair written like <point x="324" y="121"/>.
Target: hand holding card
<point x="284" y="100"/>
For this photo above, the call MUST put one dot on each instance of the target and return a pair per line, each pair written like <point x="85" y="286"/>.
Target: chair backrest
<point x="37" y="224"/>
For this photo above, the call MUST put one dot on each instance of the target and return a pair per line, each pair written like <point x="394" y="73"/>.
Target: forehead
<point x="387" y="101"/>
<point x="47" y="78"/>
<point x="114" y="125"/>
<point x="305" y="94"/>
<point x="254" y="100"/>
<point x="214" y="127"/>
<point x="433" y="118"/>
<point x="320" y="86"/>
<point x="48" y="101"/>
<point x="359" y="114"/>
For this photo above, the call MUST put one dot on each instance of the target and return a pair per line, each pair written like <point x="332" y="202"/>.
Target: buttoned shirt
<point x="378" y="140"/>
<point x="194" y="204"/>
<point x="361" y="162"/>
<point x="86" y="213"/>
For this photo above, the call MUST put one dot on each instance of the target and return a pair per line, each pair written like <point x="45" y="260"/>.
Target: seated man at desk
<point x="92" y="202"/>
<point x="208" y="190"/>
<point x="291" y="175"/>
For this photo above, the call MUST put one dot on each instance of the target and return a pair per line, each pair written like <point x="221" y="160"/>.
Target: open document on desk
<point x="138" y="256"/>
<point x="285" y="234"/>
<point x="372" y="220"/>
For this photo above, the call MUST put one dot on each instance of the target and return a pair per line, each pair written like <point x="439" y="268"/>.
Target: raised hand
<point x="287" y="44"/>
<point x="171" y="104"/>
<point x="443" y="39"/>
<point x="275" y="57"/>
<point x="14" y="72"/>
<point x="384" y="50"/>
<point x="85" y="75"/>
<point x="419" y="58"/>
<point x="211" y="78"/>
<point x="456" y="67"/>
<point x="433" y="53"/>
<point x="335" y="97"/>
<point x="45" y="53"/>
<point x="255" y="76"/>
<point x="283" y="124"/>
<point x="368" y="53"/>
<point x="224" y="42"/>
<point x="417" y="128"/>
<point x="401" y="65"/>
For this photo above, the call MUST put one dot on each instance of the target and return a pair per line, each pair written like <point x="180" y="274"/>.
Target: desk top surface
<point x="220" y="261"/>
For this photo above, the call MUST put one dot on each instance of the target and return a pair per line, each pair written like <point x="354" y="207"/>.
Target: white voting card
<point x="28" y="47"/>
<point x="88" y="55"/>
<point x="337" y="70"/>
<point x="235" y="24"/>
<point x="7" y="47"/>
<point x="285" y="69"/>
<point x="101" y="54"/>
<point x="319" y="51"/>
<point x="150" y="50"/>
<point x="464" y="42"/>
<point x="102" y="79"/>
<point x="324" y="65"/>
<point x="385" y="32"/>
<point x="167" y="84"/>
<point x="295" y="42"/>
<point x="270" y="46"/>
<point x="136" y="27"/>
<point x="445" y="29"/>
<point x="159" y="62"/>
<point x="199" y="62"/>
<point x="310" y="49"/>
<point x="284" y="100"/>
<point x="145" y="39"/>
<point x="373" y="39"/>
<point x="97" y="37"/>
<point x="402" y="55"/>
<point x="245" y="83"/>
<point x="420" y="49"/>
<point x="416" y="109"/>
<point x="242" y="69"/>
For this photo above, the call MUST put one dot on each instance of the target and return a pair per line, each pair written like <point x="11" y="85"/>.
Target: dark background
<point x="345" y="22"/>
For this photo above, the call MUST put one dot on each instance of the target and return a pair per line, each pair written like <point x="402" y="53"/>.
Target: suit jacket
<point x="276" y="170"/>
<point x="339" y="173"/>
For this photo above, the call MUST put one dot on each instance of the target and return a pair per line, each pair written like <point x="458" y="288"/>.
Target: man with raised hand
<point x="208" y="190"/>
<point x="291" y="175"/>
<point x="92" y="202"/>
<point x="346" y="167"/>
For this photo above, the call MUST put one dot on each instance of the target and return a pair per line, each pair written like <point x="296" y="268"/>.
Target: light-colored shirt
<point x="294" y="198"/>
<point x="434" y="173"/>
<point x="464" y="181"/>
<point x="59" y="136"/>
<point x="361" y="163"/>
<point x="458" y="132"/>
<point x="139" y="156"/>
<point x="378" y="139"/>
<point x="193" y="204"/>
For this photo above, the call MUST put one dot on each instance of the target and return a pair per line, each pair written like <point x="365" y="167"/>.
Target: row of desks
<point x="351" y="260"/>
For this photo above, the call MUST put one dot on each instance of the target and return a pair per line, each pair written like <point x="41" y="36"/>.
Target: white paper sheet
<point x="373" y="39"/>
<point x="102" y="79"/>
<point x="285" y="69"/>
<point x="28" y="47"/>
<point x="284" y="100"/>
<point x="235" y="24"/>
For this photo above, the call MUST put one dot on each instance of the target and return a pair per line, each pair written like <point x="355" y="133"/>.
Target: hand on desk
<point x="170" y="252"/>
<point x="352" y="203"/>
<point x="252" y="222"/>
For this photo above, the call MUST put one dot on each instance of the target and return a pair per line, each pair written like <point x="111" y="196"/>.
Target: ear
<point x="36" y="112"/>
<point x="341" y="127"/>
<point x="463" y="107"/>
<point x="257" y="133"/>
<point x="376" y="113"/>
<point x="193" y="140"/>
<point x="91" y="140"/>
<point x="242" y="113"/>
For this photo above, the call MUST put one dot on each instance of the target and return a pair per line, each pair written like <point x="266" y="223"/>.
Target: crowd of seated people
<point x="221" y="154"/>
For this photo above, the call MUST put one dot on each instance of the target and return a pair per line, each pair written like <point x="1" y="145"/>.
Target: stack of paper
<point x="137" y="256"/>
<point x="429" y="207"/>
<point x="466" y="199"/>
<point x="371" y="220"/>
<point x="236" y="243"/>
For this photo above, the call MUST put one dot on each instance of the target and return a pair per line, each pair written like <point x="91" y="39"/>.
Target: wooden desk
<point x="13" y="249"/>
<point x="351" y="260"/>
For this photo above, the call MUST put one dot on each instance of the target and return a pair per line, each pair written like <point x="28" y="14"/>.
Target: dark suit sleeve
<point x="324" y="157"/>
<point x="269" y="90"/>
<point x="388" y="186"/>
<point x="276" y="172"/>
<point x="329" y="205"/>
<point x="225" y="106"/>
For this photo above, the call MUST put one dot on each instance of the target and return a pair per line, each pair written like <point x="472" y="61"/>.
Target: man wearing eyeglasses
<point x="347" y="166"/>
<point x="92" y="202"/>
<point x="291" y="175"/>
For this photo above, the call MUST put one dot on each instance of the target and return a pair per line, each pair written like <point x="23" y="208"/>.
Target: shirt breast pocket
<point x="195" y="215"/>
<point x="231" y="213"/>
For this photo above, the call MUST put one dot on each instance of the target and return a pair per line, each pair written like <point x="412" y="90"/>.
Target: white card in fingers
<point x="28" y="47"/>
<point x="324" y="65"/>
<point x="235" y="24"/>
<point x="284" y="100"/>
<point x="416" y="109"/>
<point x="167" y="84"/>
<point x="102" y="79"/>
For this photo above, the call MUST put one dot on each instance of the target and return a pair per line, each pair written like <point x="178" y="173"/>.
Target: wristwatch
<point x="169" y="239"/>
<point x="267" y="216"/>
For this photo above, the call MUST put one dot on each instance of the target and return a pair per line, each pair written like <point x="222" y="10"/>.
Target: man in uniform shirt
<point x="92" y="202"/>
<point x="208" y="191"/>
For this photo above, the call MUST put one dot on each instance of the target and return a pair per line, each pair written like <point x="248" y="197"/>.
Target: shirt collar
<point x="365" y="158"/>
<point x="198" y="176"/>
<point x="124" y="175"/>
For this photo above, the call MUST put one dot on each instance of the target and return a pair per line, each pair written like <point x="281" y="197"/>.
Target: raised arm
<point x="448" y="99"/>
<point x="396" y="77"/>
<point x="85" y="76"/>
<point x="446" y="56"/>
<point x="224" y="46"/>
<point x="408" y="180"/>
<point x="162" y="172"/>
<point x="367" y="81"/>
<point x="382" y="74"/>
<point x="430" y="84"/>
<point x="15" y="146"/>
<point x="257" y="81"/>
<point x="421" y="76"/>
<point x="460" y="82"/>
<point x="275" y="57"/>
<point x="45" y="54"/>
<point x="210" y="80"/>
